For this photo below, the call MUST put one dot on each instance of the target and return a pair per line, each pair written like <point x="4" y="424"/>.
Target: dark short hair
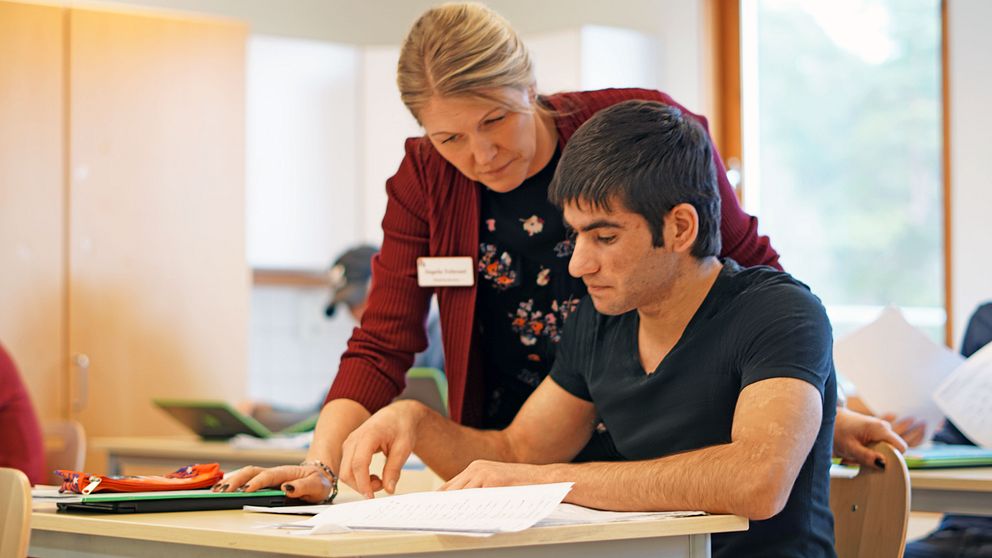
<point x="648" y="156"/>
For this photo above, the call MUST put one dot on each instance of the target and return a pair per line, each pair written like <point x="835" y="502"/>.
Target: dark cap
<point x="349" y="277"/>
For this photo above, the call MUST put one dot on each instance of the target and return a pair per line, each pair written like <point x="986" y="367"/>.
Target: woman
<point x="474" y="185"/>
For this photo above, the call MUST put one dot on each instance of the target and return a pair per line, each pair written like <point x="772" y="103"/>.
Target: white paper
<point x="966" y="397"/>
<point x="570" y="514"/>
<point x="896" y="367"/>
<point x="564" y="514"/>
<point x="301" y="440"/>
<point x="474" y="511"/>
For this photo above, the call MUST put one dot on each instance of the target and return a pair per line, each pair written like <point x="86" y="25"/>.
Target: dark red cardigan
<point x="433" y="210"/>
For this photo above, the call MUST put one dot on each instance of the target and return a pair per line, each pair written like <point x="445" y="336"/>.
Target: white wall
<point x="302" y="171"/>
<point x="970" y="73"/>
<point x="386" y="124"/>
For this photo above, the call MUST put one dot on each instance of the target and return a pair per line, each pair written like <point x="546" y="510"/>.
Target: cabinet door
<point x="158" y="281"/>
<point x="32" y="207"/>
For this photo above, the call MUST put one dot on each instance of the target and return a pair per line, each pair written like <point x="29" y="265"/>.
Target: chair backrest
<point x="429" y="386"/>
<point x="15" y="513"/>
<point x="871" y="510"/>
<point x="65" y="447"/>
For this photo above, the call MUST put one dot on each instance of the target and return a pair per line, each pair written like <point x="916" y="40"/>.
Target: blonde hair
<point x="462" y="50"/>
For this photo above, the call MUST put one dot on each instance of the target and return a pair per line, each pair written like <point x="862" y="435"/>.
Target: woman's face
<point x="488" y="142"/>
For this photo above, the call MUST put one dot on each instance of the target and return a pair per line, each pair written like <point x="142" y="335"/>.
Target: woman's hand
<point x="392" y="431"/>
<point x="855" y="432"/>
<point x="303" y="482"/>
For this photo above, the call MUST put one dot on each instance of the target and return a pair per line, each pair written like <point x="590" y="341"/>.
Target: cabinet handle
<point x="81" y="361"/>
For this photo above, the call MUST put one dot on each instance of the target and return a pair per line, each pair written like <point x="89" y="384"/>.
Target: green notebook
<point x="217" y="420"/>
<point x="170" y="501"/>
<point x="948" y="455"/>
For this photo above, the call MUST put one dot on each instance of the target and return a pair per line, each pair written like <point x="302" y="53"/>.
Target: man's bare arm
<point x="775" y="425"/>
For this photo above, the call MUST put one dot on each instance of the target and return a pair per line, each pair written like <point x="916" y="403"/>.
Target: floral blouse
<point x="525" y="293"/>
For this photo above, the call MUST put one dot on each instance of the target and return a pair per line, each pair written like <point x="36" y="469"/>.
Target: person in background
<point x="474" y="187"/>
<point x="960" y="536"/>
<point x="911" y="429"/>
<point x="21" y="444"/>
<point x="349" y="278"/>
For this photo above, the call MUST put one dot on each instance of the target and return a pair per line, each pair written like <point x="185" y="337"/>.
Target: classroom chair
<point x="65" y="447"/>
<point x="871" y="510"/>
<point x="15" y="513"/>
<point x="429" y="386"/>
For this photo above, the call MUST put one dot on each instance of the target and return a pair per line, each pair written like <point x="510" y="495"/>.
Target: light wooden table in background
<point x="163" y="454"/>
<point x="965" y="490"/>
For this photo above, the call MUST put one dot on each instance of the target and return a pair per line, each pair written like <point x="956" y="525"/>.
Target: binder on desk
<point x="169" y="501"/>
<point x="948" y="455"/>
<point x="217" y="420"/>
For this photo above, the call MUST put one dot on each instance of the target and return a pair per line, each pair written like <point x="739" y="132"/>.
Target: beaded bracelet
<point x="328" y="473"/>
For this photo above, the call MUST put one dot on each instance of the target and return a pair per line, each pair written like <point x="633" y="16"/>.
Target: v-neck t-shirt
<point x="754" y="324"/>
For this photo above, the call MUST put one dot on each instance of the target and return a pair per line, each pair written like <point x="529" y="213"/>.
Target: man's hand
<point x="854" y="432"/>
<point x="301" y="482"/>
<point x="393" y="431"/>
<point x="484" y="474"/>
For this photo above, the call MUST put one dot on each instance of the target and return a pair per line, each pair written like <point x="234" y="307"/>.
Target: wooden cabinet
<point x="32" y="206"/>
<point x="134" y="216"/>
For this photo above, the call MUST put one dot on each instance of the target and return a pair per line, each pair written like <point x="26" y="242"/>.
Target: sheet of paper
<point x="472" y="511"/>
<point x="570" y="514"/>
<point x="564" y="514"/>
<point x="896" y="367"/>
<point x="279" y="441"/>
<point x="966" y="397"/>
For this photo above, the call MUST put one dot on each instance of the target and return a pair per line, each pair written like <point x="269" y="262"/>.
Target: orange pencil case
<point x="187" y="478"/>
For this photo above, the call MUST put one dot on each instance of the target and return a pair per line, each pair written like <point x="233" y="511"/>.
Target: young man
<point x="716" y="382"/>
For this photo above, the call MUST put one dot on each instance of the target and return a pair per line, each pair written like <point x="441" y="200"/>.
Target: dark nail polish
<point x="215" y="487"/>
<point x="880" y="463"/>
<point x="224" y="487"/>
<point x="289" y="488"/>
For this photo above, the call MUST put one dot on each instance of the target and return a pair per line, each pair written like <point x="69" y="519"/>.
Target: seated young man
<point x="716" y="382"/>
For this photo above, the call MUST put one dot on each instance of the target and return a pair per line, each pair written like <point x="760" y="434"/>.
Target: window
<point x="841" y="120"/>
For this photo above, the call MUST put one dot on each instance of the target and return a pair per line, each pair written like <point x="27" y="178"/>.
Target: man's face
<point x="616" y="259"/>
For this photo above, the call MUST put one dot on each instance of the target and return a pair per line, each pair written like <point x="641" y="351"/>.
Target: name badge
<point x="445" y="272"/>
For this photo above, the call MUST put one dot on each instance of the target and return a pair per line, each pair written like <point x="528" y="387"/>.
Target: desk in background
<point x="168" y="454"/>
<point x="965" y="490"/>
<point x="161" y="454"/>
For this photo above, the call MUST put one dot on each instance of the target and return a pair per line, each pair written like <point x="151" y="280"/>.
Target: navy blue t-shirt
<point x="754" y="324"/>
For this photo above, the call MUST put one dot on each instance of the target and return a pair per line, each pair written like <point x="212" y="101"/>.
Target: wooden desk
<point x="961" y="490"/>
<point x="164" y="454"/>
<point x="236" y="534"/>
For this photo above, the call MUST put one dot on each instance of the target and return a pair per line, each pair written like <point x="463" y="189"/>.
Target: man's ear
<point x="681" y="228"/>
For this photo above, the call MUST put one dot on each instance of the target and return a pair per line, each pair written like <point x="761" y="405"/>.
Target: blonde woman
<point x="474" y="187"/>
